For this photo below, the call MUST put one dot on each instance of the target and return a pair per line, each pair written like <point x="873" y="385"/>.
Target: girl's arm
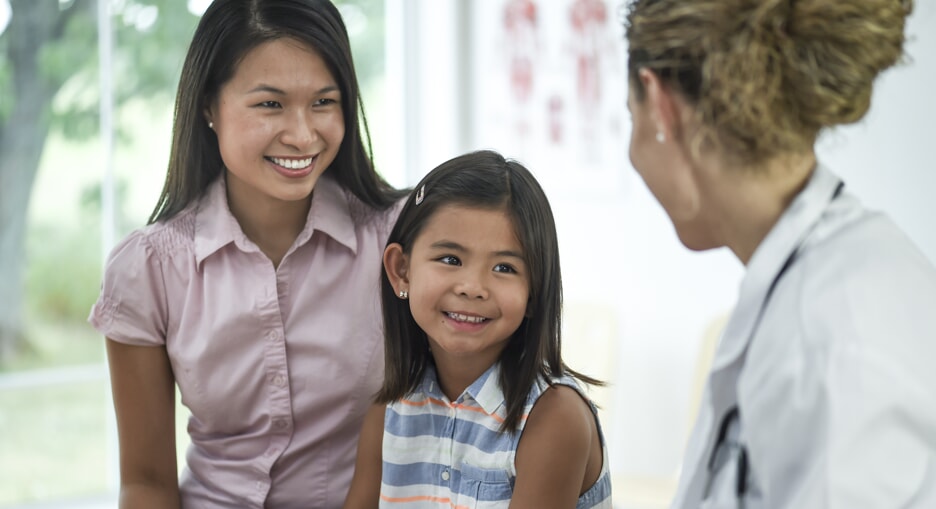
<point x="365" y="486"/>
<point x="559" y="455"/>
<point x="143" y="388"/>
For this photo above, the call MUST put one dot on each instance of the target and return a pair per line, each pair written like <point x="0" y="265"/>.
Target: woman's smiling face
<point x="279" y="123"/>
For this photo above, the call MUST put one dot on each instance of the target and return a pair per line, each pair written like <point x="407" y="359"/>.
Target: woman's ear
<point x="662" y="105"/>
<point x="209" y="113"/>
<point x="396" y="264"/>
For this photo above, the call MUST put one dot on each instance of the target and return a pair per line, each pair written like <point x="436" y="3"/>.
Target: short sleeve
<point x="132" y="306"/>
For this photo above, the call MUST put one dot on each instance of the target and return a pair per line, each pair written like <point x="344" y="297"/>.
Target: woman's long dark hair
<point x="227" y="31"/>
<point x="484" y="179"/>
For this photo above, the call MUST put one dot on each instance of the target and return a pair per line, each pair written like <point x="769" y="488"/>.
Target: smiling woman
<point x="232" y="273"/>
<point x="52" y="212"/>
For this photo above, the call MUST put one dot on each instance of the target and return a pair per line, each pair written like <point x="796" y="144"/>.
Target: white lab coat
<point x="832" y="373"/>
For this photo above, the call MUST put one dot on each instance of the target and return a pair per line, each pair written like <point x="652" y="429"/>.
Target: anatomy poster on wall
<point x="550" y="89"/>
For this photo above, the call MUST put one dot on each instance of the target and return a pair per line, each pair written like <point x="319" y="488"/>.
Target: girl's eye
<point x="450" y="260"/>
<point x="325" y="101"/>
<point x="503" y="267"/>
<point x="270" y="104"/>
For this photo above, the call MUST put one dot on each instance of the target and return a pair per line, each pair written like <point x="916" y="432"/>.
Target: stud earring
<point x="210" y="125"/>
<point x="660" y="138"/>
<point x="404" y="294"/>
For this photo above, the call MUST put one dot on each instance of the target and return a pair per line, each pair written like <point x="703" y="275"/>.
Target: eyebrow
<point x="454" y="246"/>
<point x="273" y="90"/>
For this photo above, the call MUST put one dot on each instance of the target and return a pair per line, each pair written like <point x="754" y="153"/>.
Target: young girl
<point x="477" y="408"/>
<point x="252" y="293"/>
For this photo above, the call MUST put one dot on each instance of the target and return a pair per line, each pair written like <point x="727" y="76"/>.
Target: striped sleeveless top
<point x="439" y="454"/>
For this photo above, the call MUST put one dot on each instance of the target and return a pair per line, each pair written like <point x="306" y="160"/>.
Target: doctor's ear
<point x="396" y="264"/>
<point x="663" y="106"/>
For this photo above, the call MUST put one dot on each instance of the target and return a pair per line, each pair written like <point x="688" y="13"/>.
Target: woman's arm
<point x="143" y="388"/>
<point x="559" y="455"/>
<point x="365" y="486"/>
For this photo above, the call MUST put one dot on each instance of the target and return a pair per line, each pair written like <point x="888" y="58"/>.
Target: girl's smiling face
<point x="468" y="283"/>
<point x="279" y="123"/>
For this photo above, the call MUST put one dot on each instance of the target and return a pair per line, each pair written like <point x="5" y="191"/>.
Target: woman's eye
<point x="503" y="267"/>
<point x="450" y="260"/>
<point x="325" y="101"/>
<point x="270" y="104"/>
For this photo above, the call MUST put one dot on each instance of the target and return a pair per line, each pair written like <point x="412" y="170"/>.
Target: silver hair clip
<point x="421" y="194"/>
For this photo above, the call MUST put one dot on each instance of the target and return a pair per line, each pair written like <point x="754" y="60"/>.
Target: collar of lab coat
<point x="770" y="257"/>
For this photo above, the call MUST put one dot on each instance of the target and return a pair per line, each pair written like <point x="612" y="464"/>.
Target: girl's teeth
<point x="292" y="164"/>
<point x="466" y="318"/>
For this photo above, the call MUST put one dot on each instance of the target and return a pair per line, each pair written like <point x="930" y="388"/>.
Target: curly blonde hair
<point x="766" y="76"/>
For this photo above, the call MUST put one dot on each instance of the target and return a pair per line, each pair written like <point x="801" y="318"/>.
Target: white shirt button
<point x="445" y="475"/>
<point x="279" y="380"/>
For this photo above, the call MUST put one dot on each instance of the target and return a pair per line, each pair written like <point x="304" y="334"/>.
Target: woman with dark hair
<point x="478" y="408"/>
<point x="254" y="287"/>
<point x="822" y="391"/>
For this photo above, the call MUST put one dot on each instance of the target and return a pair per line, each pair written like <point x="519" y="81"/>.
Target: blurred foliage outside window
<point x="56" y="440"/>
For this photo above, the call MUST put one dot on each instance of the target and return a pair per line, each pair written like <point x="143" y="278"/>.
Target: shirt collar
<point x="215" y="226"/>
<point x="791" y="230"/>
<point x="485" y="390"/>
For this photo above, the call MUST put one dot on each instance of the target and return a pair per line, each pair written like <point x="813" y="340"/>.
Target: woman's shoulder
<point x="854" y="249"/>
<point x="368" y="216"/>
<point x="158" y="240"/>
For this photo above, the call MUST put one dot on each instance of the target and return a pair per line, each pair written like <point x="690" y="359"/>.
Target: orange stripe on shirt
<point x="406" y="500"/>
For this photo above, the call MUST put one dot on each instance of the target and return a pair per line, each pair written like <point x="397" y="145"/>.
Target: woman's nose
<point x="300" y="131"/>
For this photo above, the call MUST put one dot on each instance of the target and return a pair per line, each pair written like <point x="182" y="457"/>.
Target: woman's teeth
<point x="292" y="164"/>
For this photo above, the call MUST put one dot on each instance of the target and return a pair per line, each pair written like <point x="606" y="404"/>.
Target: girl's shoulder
<point x="543" y="384"/>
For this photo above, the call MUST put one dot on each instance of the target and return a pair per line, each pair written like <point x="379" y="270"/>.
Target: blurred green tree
<point x="50" y="46"/>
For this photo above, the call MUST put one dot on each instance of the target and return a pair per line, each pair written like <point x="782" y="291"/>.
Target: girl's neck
<point x="272" y="225"/>
<point x="455" y="375"/>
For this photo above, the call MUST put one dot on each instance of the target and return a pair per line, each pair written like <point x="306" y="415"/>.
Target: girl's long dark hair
<point x="227" y="31"/>
<point x="488" y="180"/>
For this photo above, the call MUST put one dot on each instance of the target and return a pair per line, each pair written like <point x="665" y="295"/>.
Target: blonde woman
<point x="822" y="391"/>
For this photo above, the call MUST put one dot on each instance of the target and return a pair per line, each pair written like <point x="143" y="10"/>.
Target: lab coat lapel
<point x="764" y="268"/>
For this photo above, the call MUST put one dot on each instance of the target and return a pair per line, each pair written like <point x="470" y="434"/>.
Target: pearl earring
<point x="404" y="294"/>
<point x="660" y="138"/>
<point x="210" y="125"/>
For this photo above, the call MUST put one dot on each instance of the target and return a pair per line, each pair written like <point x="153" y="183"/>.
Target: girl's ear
<point x="396" y="264"/>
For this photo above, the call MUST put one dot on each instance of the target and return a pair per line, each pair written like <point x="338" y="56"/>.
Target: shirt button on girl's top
<point x="445" y="475"/>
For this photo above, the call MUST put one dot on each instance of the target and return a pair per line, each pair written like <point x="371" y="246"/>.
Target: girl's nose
<point x="472" y="287"/>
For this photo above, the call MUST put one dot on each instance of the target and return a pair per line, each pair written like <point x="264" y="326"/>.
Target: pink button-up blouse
<point x="277" y="366"/>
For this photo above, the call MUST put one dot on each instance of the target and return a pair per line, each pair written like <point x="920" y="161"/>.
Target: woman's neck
<point x="271" y="224"/>
<point x="753" y="199"/>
